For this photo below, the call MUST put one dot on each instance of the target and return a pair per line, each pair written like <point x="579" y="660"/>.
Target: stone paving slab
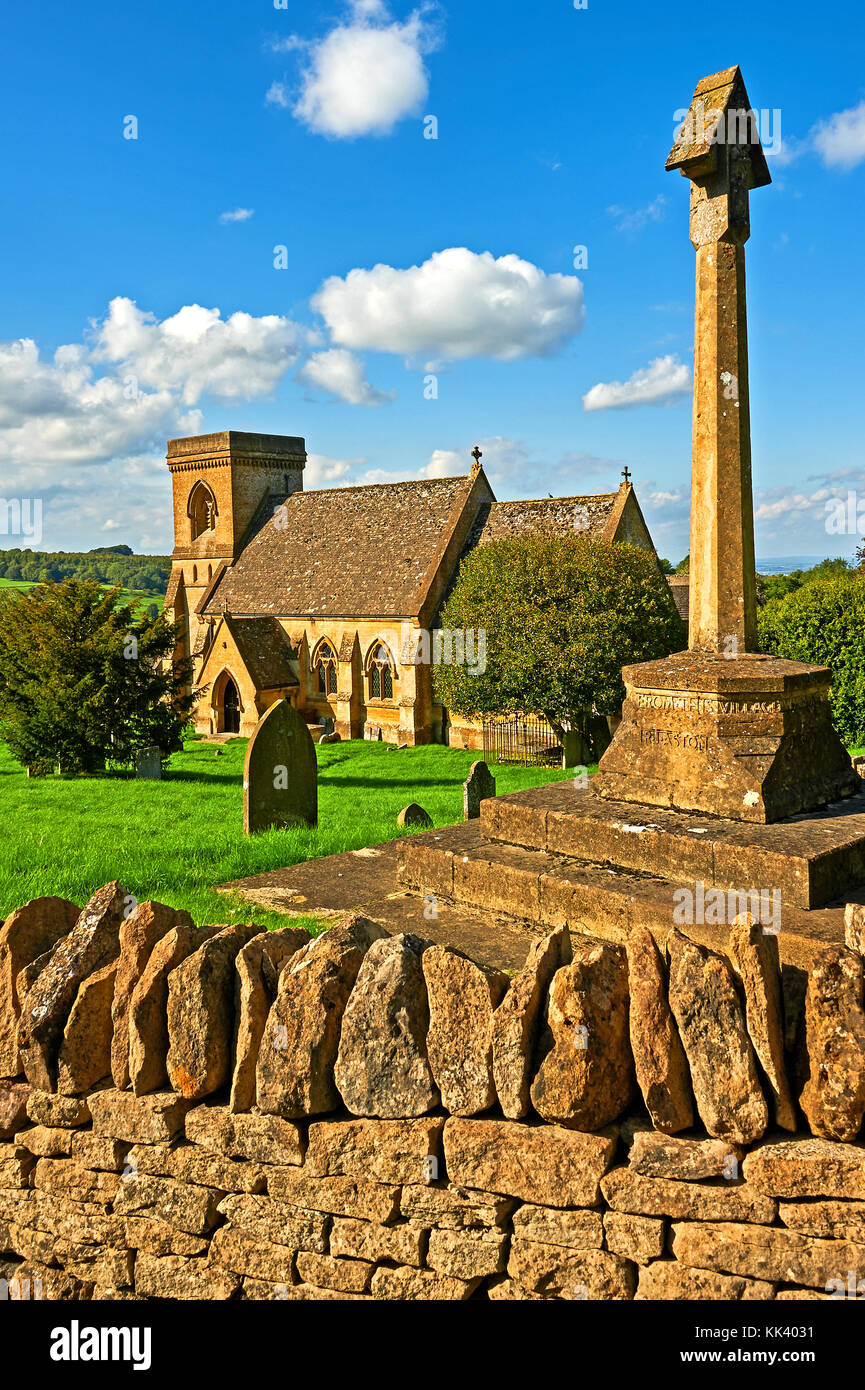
<point x="366" y="881"/>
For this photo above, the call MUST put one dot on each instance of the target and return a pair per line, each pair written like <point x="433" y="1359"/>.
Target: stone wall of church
<point x="202" y="1117"/>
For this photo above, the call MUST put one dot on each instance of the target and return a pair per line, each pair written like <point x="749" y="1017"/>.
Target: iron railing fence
<point x="526" y="739"/>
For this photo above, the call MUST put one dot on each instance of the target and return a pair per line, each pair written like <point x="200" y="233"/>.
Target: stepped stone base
<point x="812" y="859"/>
<point x="747" y="739"/>
<point x="550" y="890"/>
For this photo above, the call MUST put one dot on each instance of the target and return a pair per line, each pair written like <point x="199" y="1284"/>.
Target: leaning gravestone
<point x="280" y="776"/>
<point x="148" y="764"/>
<point x="478" y="786"/>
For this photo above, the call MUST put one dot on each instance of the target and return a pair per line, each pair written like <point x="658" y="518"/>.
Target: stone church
<point x="327" y="598"/>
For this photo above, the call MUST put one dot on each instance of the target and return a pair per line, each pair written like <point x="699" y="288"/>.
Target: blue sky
<point x="141" y="298"/>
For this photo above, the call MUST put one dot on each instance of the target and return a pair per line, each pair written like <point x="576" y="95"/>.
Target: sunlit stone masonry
<point x="371" y="1116"/>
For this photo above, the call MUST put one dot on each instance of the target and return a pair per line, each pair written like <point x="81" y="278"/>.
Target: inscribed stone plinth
<point x="280" y="776"/>
<point x="749" y="739"/>
<point x="478" y="786"/>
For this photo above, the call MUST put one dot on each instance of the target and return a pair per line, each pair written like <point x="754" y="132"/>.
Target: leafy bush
<point x="824" y="622"/>
<point x="562" y="615"/>
<point x="83" y="682"/>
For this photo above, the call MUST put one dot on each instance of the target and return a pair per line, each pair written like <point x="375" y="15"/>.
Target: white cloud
<point x="196" y="351"/>
<point x="457" y="304"/>
<point x="785" y="504"/>
<point x="322" y="471"/>
<point x="366" y="74"/>
<point x="342" y="374"/>
<point x="838" y="140"/>
<point x="237" y="215"/>
<point x="665" y="379"/>
<point x="116" y="397"/>
<point x="514" y="470"/>
<point x="278" y="95"/>
<point x="59" y="413"/>
<point x="632" y="220"/>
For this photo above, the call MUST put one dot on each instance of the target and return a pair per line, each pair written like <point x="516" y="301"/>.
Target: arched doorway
<point x="230" y="708"/>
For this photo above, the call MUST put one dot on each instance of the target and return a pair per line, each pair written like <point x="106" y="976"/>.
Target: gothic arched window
<point x="202" y="510"/>
<point x="326" y="670"/>
<point x="381" y="673"/>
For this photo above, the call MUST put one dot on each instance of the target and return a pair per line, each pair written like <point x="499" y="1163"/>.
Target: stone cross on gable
<point x="477" y="456"/>
<point x="718" y="148"/>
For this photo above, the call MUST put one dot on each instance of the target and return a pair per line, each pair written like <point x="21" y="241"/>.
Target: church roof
<point x="265" y="649"/>
<point x="561" y="516"/>
<point x="369" y="551"/>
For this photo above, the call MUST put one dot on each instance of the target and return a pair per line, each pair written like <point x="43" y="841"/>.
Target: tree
<point x="825" y="623"/>
<point x="771" y="586"/>
<point x="83" y="681"/>
<point x="562" y="615"/>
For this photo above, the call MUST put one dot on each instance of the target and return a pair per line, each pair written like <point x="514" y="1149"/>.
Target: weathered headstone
<point x="414" y="815"/>
<point x="148" y="764"/>
<point x="478" y="786"/>
<point x="280" y="776"/>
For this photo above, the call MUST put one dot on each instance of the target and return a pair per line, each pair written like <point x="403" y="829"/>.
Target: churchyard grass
<point x="175" y="840"/>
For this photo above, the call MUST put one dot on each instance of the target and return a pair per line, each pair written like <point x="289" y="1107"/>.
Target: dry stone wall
<point x="231" y="1114"/>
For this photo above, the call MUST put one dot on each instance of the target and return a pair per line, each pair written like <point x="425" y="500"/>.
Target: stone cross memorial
<point x="280" y="775"/>
<point x="721" y="729"/>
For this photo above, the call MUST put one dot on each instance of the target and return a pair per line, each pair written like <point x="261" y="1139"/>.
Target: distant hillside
<point x="116" y="564"/>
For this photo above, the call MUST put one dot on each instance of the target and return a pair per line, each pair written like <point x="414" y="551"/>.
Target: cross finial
<point x="626" y="474"/>
<point x="477" y="456"/>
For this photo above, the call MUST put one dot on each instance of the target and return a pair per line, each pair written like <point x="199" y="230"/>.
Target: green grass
<point x="139" y="597"/>
<point x="175" y="840"/>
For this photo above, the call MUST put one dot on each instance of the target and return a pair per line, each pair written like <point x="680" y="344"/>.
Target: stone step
<point x="812" y="859"/>
<point x="458" y="863"/>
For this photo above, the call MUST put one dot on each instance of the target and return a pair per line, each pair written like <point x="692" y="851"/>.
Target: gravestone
<point x="413" y="815"/>
<point x="148" y="764"/>
<point x="478" y="786"/>
<point x="280" y="775"/>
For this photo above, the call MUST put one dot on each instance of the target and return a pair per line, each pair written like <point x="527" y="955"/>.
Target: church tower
<point x="224" y="485"/>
